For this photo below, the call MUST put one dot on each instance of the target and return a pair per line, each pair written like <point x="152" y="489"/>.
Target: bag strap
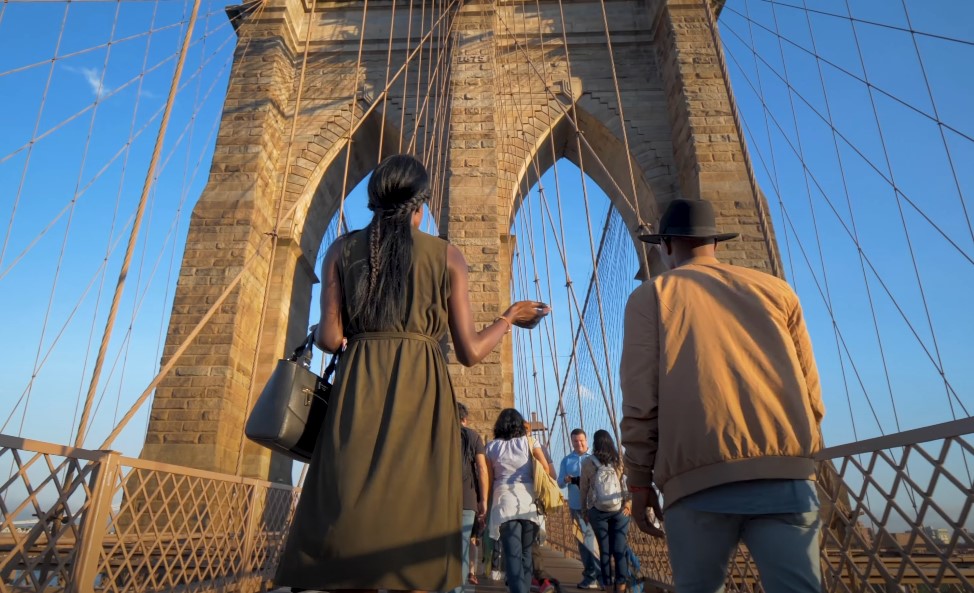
<point x="302" y="348"/>
<point x="308" y="345"/>
<point x="332" y="364"/>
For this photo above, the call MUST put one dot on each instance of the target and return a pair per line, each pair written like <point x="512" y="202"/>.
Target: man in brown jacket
<point x="721" y="410"/>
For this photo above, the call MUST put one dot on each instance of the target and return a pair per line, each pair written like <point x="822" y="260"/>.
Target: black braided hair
<point x="399" y="186"/>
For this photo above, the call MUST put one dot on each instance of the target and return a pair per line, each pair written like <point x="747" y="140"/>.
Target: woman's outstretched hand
<point x="527" y="314"/>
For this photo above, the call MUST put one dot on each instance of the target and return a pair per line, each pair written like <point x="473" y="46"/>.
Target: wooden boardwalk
<point x="568" y="571"/>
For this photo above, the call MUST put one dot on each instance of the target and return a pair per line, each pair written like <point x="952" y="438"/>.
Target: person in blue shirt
<point x="568" y="476"/>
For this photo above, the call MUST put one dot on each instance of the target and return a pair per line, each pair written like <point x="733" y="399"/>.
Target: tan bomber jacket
<point x="719" y="382"/>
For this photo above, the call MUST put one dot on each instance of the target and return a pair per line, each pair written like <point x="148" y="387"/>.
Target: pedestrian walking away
<point x="608" y="506"/>
<point x="382" y="500"/>
<point x="514" y="518"/>
<point x="722" y="411"/>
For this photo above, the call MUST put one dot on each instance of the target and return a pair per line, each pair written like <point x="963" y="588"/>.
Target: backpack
<point x="606" y="492"/>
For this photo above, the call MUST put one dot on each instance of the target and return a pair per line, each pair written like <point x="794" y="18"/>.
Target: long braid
<point x="398" y="188"/>
<point x="375" y="263"/>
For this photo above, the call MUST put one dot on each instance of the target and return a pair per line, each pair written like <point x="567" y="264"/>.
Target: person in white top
<point x="514" y="518"/>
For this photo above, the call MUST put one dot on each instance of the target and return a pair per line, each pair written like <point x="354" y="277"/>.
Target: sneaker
<point x="546" y="587"/>
<point x="590" y="585"/>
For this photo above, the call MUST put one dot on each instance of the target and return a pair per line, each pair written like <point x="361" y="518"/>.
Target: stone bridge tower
<point x="650" y="118"/>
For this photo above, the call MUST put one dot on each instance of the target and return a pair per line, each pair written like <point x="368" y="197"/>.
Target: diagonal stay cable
<point x="88" y="108"/>
<point x="899" y="207"/>
<point x="853" y="19"/>
<point x="37" y="123"/>
<point x="113" y="43"/>
<point x="133" y="237"/>
<point x="940" y="127"/>
<point x="855" y="231"/>
<point x="760" y="206"/>
<point x="104" y="169"/>
<point x="774" y="163"/>
<point x="856" y="77"/>
<point x="855" y="240"/>
<point x="232" y="284"/>
<point x="898" y="191"/>
<point x="786" y="216"/>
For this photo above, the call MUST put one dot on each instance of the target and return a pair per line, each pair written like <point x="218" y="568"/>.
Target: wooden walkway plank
<point x="568" y="571"/>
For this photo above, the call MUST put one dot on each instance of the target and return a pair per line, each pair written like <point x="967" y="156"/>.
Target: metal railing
<point x="88" y="521"/>
<point x="896" y="512"/>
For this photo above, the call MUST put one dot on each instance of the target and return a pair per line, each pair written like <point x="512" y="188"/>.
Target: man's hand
<point x="482" y="508"/>
<point x="642" y="502"/>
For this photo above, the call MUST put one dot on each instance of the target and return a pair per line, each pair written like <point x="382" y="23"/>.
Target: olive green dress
<point x="381" y="505"/>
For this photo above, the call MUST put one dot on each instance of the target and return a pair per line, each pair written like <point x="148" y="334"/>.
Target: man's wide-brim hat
<point x="692" y="219"/>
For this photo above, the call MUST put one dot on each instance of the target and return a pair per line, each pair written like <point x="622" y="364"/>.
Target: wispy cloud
<point x="585" y="393"/>
<point x="95" y="80"/>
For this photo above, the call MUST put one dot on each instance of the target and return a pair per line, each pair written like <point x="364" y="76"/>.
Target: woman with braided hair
<point x="381" y="505"/>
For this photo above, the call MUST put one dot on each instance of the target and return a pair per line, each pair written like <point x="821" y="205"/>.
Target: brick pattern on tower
<point x="517" y="100"/>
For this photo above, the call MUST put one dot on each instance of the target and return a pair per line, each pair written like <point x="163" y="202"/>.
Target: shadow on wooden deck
<point x="568" y="571"/>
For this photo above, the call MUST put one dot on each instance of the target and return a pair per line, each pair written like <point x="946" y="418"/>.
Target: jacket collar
<point x="701" y="260"/>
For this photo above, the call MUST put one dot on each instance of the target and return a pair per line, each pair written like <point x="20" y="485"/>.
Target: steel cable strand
<point x="774" y="164"/>
<point x="786" y="219"/>
<point x="113" y="43"/>
<point x="897" y="190"/>
<point x="831" y="313"/>
<point x="37" y="124"/>
<point x="848" y="232"/>
<point x="774" y="259"/>
<point x="852" y="19"/>
<point x="67" y="226"/>
<point x="906" y="228"/>
<point x="130" y="247"/>
<point x="278" y="218"/>
<point x="940" y="127"/>
<point x="232" y="284"/>
<point x="811" y="205"/>
<point x="855" y="232"/>
<point x="111" y="231"/>
<point x="108" y="94"/>
<point x="122" y="151"/>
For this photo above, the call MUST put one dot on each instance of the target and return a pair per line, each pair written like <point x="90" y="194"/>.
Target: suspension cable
<point x="133" y="237"/>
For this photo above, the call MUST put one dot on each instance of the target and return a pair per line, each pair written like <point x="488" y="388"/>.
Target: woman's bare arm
<point x="330" y="333"/>
<point x="470" y="345"/>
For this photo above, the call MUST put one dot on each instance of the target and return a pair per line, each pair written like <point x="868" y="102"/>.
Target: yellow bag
<point x="547" y="494"/>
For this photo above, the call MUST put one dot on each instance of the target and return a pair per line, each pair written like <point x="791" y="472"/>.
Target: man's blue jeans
<point x="590" y="563"/>
<point x="784" y="546"/>
<point x="517" y="537"/>
<point x="465" y="531"/>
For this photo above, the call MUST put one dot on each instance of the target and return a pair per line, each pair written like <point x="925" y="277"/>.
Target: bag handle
<point x="307" y="346"/>
<point x="303" y="348"/>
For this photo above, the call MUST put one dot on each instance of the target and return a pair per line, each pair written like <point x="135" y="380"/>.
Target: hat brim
<point x="656" y="239"/>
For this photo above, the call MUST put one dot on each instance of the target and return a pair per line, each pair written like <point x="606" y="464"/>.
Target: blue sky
<point x="85" y="175"/>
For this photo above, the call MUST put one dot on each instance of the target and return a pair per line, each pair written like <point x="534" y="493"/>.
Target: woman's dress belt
<point x="393" y="336"/>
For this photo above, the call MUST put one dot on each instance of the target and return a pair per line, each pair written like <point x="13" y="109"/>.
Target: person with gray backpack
<point x="608" y="504"/>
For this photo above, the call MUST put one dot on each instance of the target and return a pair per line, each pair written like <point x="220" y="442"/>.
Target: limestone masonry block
<point x="661" y="125"/>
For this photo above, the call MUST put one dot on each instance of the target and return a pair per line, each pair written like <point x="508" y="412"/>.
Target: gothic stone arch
<point x="510" y="78"/>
